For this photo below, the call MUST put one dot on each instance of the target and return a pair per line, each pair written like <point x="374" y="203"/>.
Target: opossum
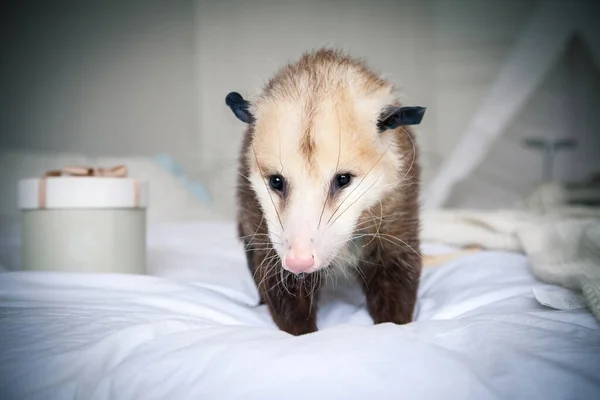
<point x="329" y="178"/>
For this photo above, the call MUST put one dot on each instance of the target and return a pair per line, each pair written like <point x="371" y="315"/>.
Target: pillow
<point x="170" y="198"/>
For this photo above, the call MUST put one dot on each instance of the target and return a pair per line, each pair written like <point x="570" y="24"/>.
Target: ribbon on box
<point x="119" y="171"/>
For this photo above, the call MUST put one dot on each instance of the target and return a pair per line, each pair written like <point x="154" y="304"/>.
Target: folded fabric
<point x="561" y="241"/>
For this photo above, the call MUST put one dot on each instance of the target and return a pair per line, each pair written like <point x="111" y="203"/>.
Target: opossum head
<point x="324" y="150"/>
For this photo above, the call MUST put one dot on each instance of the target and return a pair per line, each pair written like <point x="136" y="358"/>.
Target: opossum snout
<point x="299" y="262"/>
<point x="301" y="256"/>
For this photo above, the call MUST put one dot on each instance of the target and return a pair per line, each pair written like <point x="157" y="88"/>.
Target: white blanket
<point x="562" y="243"/>
<point x="194" y="331"/>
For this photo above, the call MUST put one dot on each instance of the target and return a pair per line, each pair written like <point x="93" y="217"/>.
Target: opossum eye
<point x="341" y="180"/>
<point x="277" y="183"/>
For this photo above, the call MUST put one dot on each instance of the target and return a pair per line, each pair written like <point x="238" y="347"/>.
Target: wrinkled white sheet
<point x="193" y="331"/>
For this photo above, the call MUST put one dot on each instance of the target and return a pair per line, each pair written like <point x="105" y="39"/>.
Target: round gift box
<point x="83" y="224"/>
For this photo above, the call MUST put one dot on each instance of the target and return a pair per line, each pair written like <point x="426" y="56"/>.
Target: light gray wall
<point x="472" y="39"/>
<point x="565" y="106"/>
<point x="103" y="77"/>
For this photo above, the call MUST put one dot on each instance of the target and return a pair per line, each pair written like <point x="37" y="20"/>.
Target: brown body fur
<point x="390" y="264"/>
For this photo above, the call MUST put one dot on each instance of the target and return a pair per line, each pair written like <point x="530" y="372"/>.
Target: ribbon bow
<point x="119" y="171"/>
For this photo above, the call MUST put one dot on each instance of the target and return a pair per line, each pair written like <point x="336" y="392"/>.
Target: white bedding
<point x="193" y="331"/>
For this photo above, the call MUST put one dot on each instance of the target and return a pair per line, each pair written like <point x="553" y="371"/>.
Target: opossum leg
<point x="292" y="301"/>
<point x="391" y="288"/>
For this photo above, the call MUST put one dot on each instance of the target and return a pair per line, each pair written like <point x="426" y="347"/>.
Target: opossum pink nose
<point x="299" y="262"/>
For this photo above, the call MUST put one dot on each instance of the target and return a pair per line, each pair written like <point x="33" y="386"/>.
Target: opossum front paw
<point x="294" y="315"/>
<point x="390" y="310"/>
<point x="292" y="302"/>
<point x="297" y="327"/>
<point x="392" y="295"/>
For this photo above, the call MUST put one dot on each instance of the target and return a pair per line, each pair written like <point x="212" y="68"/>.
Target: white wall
<point x="105" y="77"/>
<point x="472" y="40"/>
<point x="564" y="106"/>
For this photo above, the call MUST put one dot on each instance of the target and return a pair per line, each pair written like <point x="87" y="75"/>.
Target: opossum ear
<point x="240" y="107"/>
<point x="392" y="117"/>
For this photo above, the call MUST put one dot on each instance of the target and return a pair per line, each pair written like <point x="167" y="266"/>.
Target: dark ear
<point x="392" y="117"/>
<point x="240" y="107"/>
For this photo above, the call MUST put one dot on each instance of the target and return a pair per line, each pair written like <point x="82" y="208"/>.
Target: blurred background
<point x="143" y="82"/>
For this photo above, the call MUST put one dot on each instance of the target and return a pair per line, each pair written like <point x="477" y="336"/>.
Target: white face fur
<point x="317" y="163"/>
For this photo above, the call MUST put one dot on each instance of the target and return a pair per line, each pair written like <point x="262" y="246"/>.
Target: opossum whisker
<point x="308" y="284"/>
<point x="243" y="176"/>
<point x="356" y="265"/>
<point x="329" y="272"/>
<point x="268" y="259"/>
<point x="340" y="267"/>
<point x="359" y="183"/>
<point x="358" y="198"/>
<point x="270" y="270"/>
<point x="259" y="248"/>
<point x="414" y="153"/>
<point x="261" y="241"/>
<point x="362" y="261"/>
<point x="351" y="239"/>
<point x="262" y="218"/>
<point x="265" y="276"/>
<point x="400" y="180"/>
<point x="254" y="235"/>
<point x="270" y="253"/>
<point x="268" y="191"/>
<point x="352" y="242"/>
<point x="360" y="273"/>
<point x="391" y="239"/>
<point x="339" y="257"/>
<point x="271" y="263"/>
<point x="315" y="283"/>
<point x="278" y="278"/>
<point x="344" y="239"/>
<point x="380" y="221"/>
<point x="399" y="184"/>
<point x="328" y="275"/>
<point x="259" y="238"/>
<point x="337" y="165"/>
<point x="284" y="277"/>
<point x="384" y="217"/>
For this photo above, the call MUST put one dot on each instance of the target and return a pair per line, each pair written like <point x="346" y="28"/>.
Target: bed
<point x="193" y="329"/>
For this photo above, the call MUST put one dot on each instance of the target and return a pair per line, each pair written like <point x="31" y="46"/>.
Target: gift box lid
<point x="82" y="192"/>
